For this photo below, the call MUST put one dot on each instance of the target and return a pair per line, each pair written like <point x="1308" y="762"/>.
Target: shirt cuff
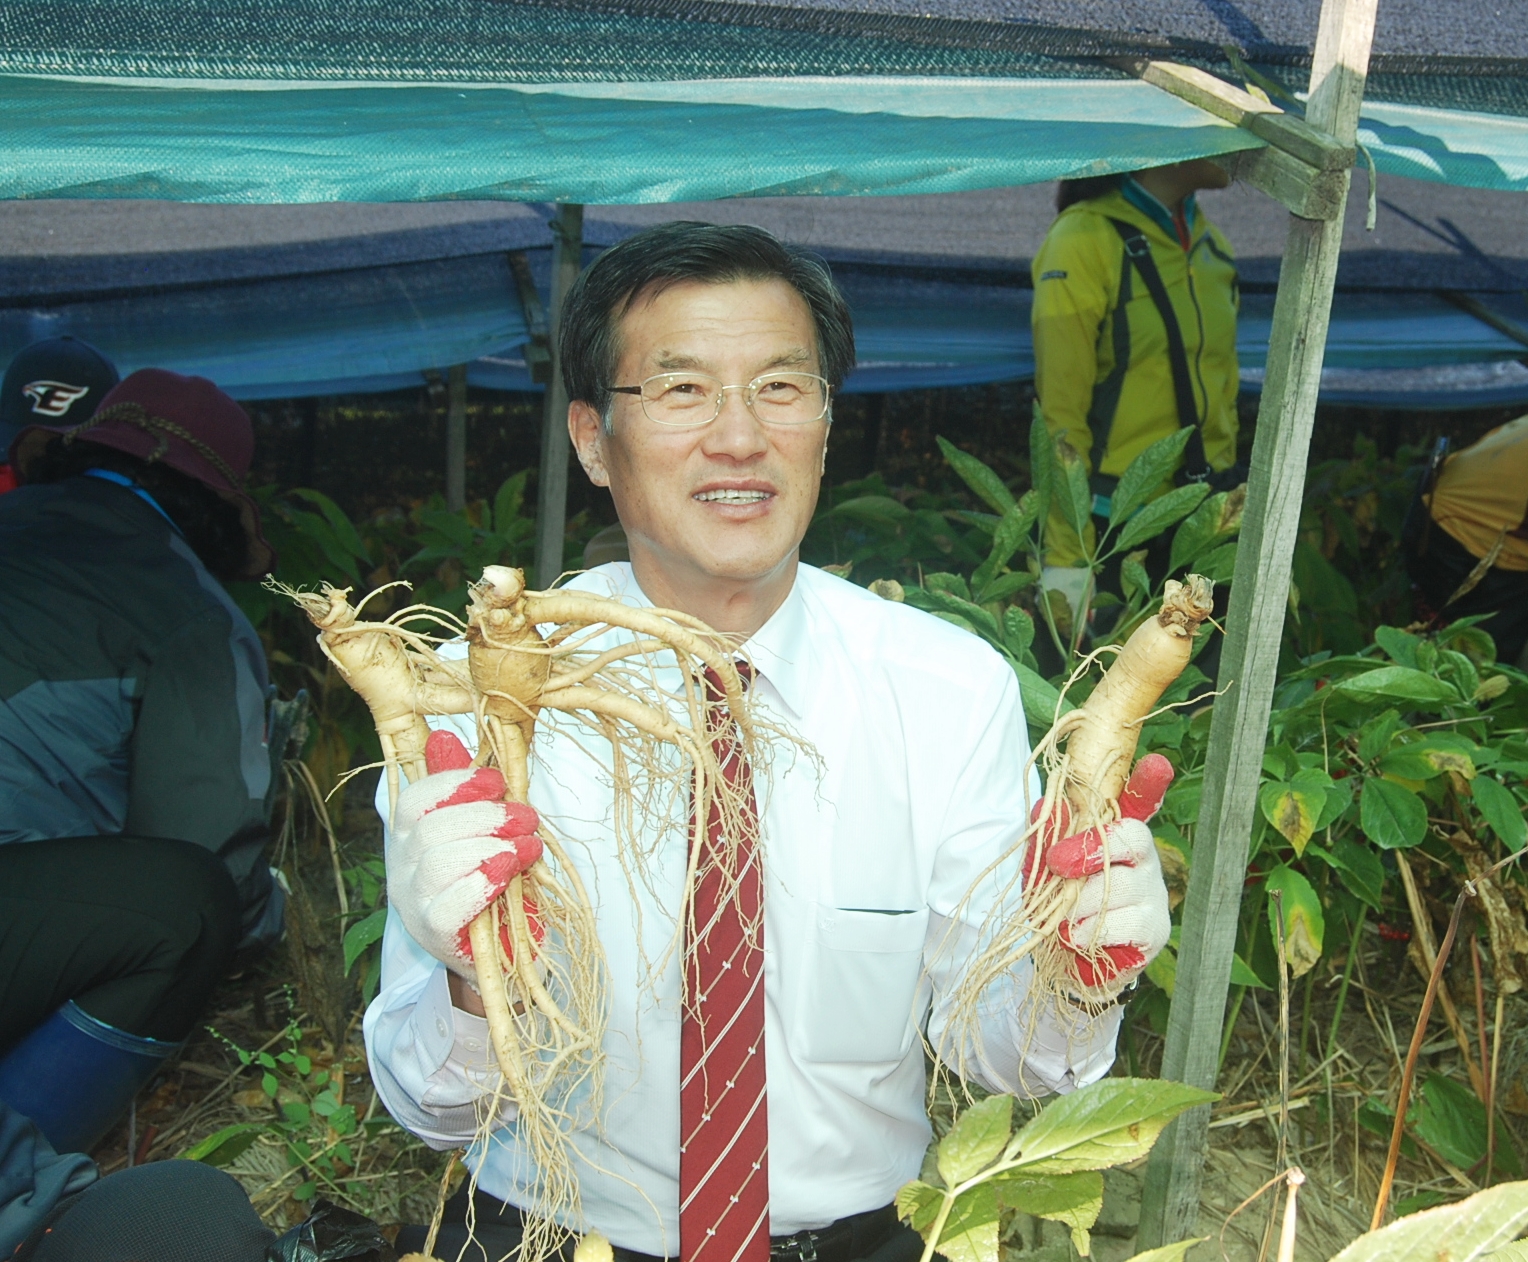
<point x="1070" y="1047"/>
<point x="455" y="1051"/>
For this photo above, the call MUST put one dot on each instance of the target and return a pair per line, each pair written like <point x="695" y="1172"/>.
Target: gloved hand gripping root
<point x="1094" y="908"/>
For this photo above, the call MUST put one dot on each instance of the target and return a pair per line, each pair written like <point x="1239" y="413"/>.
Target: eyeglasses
<point x="688" y="400"/>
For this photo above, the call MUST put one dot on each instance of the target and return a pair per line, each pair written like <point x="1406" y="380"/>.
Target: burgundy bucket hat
<point x="186" y="423"/>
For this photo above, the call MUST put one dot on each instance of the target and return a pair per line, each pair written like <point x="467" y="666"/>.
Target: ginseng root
<point x="1087" y="757"/>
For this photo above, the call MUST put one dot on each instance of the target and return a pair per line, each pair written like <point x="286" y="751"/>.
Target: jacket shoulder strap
<point x="1138" y="254"/>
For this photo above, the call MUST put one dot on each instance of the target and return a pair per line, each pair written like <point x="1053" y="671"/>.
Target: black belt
<point x="847" y="1240"/>
<point x="499" y="1228"/>
<point x="856" y="1236"/>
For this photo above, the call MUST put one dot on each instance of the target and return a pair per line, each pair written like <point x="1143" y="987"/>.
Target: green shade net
<point x="609" y="101"/>
<point x="605" y="143"/>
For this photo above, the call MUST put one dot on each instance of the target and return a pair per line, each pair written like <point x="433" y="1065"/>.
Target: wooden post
<point x="552" y="479"/>
<point x="456" y="438"/>
<point x="1259" y="597"/>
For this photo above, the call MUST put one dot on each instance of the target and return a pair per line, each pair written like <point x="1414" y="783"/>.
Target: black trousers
<point x="1438" y="563"/>
<point x="170" y="1211"/>
<point x="137" y="931"/>
<point x="876" y="1236"/>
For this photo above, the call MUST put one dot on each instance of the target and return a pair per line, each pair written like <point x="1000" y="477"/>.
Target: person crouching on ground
<point x="133" y="764"/>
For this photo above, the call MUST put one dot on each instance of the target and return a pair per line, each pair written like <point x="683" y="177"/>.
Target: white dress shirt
<point x="869" y="849"/>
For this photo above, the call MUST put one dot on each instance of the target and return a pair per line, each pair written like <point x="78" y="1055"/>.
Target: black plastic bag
<point x="332" y="1234"/>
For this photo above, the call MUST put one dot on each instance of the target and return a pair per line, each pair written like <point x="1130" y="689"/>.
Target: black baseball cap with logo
<point x="56" y="382"/>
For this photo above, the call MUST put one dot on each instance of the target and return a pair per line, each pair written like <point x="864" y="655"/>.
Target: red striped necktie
<point x="723" y="1116"/>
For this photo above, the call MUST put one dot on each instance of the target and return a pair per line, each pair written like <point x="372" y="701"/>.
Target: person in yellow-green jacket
<point x="1134" y="322"/>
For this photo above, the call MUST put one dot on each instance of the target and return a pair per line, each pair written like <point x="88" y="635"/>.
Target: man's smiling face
<point x="727" y="502"/>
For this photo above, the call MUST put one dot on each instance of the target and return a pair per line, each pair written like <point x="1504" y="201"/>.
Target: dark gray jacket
<point x="132" y="689"/>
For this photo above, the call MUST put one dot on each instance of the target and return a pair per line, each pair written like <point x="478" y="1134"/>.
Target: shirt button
<point x="440" y="1024"/>
<point x="472" y="1045"/>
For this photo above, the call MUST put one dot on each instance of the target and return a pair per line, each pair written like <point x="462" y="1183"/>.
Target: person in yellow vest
<point x="1466" y="538"/>
<point x="1134" y="323"/>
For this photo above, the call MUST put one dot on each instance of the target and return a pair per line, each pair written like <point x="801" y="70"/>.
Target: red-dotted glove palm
<point x="456" y="844"/>
<point x="1121" y="921"/>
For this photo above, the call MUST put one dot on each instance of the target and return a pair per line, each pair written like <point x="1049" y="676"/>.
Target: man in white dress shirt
<point x="696" y="358"/>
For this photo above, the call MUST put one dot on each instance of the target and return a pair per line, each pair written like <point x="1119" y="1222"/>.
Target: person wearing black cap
<point x="59" y="382"/>
<point x="133" y="762"/>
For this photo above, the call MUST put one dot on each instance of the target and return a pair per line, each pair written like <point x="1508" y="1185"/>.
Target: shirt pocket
<point x="863" y="971"/>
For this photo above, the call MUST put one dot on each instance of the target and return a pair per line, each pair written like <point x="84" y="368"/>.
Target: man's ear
<point x="587" y="430"/>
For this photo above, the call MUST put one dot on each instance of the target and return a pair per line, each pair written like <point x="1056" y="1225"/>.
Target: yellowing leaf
<point x="1491" y="688"/>
<point x="1304" y="925"/>
<point x="1174" y="871"/>
<point x="1452" y="760"/>
<point x="1231" y="511"/>
<point x="1163" y="971"/>
<point x="1292" y="812"/>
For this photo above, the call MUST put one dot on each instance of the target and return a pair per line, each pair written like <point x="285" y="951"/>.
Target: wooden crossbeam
<point x="1297" y="186"/>
<point x="1303" y="168"/>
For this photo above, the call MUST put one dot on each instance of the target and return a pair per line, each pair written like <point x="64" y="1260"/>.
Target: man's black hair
<point x="210" y="524"/>
<point x="644" y="265"/>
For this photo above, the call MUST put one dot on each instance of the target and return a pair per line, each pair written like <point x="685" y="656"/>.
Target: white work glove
<point x="456" y="844"/>
<point x="1121" y="921"/>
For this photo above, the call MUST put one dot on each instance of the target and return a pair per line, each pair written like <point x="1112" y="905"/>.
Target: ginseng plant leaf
<point x="1501" y="811"/>
<point x="1469" y="1229"/>
<point x="224" y="1146"/>
<point x="1042" y="462"/>
<point x="1110" y="1122"/>
<point x="1011" y="530"/>
<point x="1146" y="473"/>
<point x="362" y="934"/>
<point x="1290" y="811"/>
<point x="978" y="476"/>
<point x="1169" y="1252"/>
<point x="1304" y="925"/>
<point x="1073" y="1199"/>
<point x="918" y="1205"/>
<point x="976" y="1140"/>
<point x="971" y="1231"/>
<point x="1391" y="815"/>
<point x="1397" y="683"/>
<point x="1157" y="516"/>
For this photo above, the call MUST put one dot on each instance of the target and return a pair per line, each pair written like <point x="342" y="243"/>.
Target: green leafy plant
<point x="1481" y="1226"/>
<point x="1409" y="740"/>
<point x="1000" y="599"/>
<point x="362" y="941"/>
<point x="1051" y="1167"/>
<point x="323" y="1138"/>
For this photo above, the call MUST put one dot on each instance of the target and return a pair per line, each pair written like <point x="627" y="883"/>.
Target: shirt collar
<point x="778" y="649"/>
<point x="1159" y="214"/>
